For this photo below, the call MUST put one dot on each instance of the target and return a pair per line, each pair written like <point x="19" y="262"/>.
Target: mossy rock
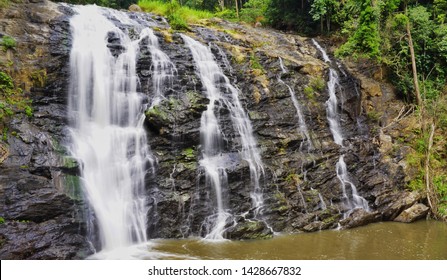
<point x="196" y="102"/>
<point x="158" y="116"/>
<point x="189" y="154"/>
<point x="72" y="187"/>
<point x="249" y="229"/>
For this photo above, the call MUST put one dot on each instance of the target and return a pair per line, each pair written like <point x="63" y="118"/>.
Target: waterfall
<point x="322" y="51"/>
<point x="357" y="200"/>
<point x="107" y="134"/>
<point x="163" y="70"/>
<point x="219" y="91"/>
<point x="299" y="112"/>
<point x="333" y="116"/>
<point x="332" y="107"/>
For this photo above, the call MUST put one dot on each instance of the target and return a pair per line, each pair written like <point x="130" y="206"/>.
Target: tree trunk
<point x="413" y="64"/>
<point x="431" y="196"/>
<point x="237" y="8"/>
<point x="222" y="4"/>
<point x="321" y="24"/>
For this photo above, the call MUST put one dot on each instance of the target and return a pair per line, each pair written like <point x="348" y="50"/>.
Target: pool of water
<point x="383" y="241"/>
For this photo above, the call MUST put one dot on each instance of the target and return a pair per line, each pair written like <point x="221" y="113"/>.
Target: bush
<point x="178" y="16"/>
<point x="177" y="22"/>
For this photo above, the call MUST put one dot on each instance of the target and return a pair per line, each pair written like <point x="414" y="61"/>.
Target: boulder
<point x="249" y="229"/>
<point x="360" y="217"/>
<point x="415" y="212"/>
<point x="391" y="204"/>
<point x="135" y="8"/>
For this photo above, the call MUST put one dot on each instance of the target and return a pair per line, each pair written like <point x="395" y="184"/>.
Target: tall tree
<point x="413" y="60"/>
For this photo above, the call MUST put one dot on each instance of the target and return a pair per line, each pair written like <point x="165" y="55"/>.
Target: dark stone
<point x="360" y="217"/>
<point x="53" y="239"/>
<point x="249" y="229"/>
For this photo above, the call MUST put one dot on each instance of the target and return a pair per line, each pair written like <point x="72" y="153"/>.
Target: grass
<point x="179" y="17"/>
<point x="4" y="3"/>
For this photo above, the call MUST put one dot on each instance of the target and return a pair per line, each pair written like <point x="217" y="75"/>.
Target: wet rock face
<point x="41" y="199"/>
<point x="39" y="188"/>
<point x="300" y="186"/>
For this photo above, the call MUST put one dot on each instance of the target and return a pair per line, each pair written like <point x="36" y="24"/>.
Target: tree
<point x="323" y="10"/>
<point x="413" y="61"/>
<point x="365" y="38"/>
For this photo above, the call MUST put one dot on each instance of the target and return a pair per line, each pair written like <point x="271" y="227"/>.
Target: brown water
<point x="387" y="241"/>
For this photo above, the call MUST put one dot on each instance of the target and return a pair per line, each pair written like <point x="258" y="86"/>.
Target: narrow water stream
<point x="388" y="241"/>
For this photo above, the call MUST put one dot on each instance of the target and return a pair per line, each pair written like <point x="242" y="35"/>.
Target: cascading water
<point x="343" y="176"/>
<point x="332" y="107"/>
<point x="211" y="135"/>
<point x="107" y="133"/>
<point x="334" y="124"/>
<point x="322" y="51"/>
<point x="213" y="160"/>
<point x="163" y="70"/>
<point x="301" y="120"/>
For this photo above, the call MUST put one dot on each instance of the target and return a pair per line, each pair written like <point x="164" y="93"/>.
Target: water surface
<point x="388" y="241"/>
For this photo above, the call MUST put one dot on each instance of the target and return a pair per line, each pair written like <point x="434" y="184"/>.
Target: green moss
<point x="317" y="83"/>
<point x="2" y="220"/>
<point x="7" y="43"/>
<point x="69" y="162"/>
<point x="72" y="187"/>
<point x="309" y="92"/>
<point x="39" y="77"/>
<point x="5" y="134"/>
<point x="174" y="103"/>
<point x="293" y="179"/>
<point x="373" y="115"/>
<point x="256" y="65"/>
<point x="157" y="112"/>
<point x="189" y="154"/>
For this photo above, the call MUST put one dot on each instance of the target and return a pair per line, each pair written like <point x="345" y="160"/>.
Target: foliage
<point x="291" y="15"/>
<point x="12" y="99"/>
<point x="7" y="43"/>
<point x="4" y="3"/>
<point x="123" y="4"/>
<point x="2" y="220"/>
<point x="324" y="10"/>
<point x="178" y="16"/>
<point x="365" y="39"/>
<point x="254" y="11"/>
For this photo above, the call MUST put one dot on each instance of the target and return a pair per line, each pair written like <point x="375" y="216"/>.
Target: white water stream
<point x="219" y="91"/>
<point x="355" y="200"/>
<point x="107" y="133"/>
<point x="299" y="112"/>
